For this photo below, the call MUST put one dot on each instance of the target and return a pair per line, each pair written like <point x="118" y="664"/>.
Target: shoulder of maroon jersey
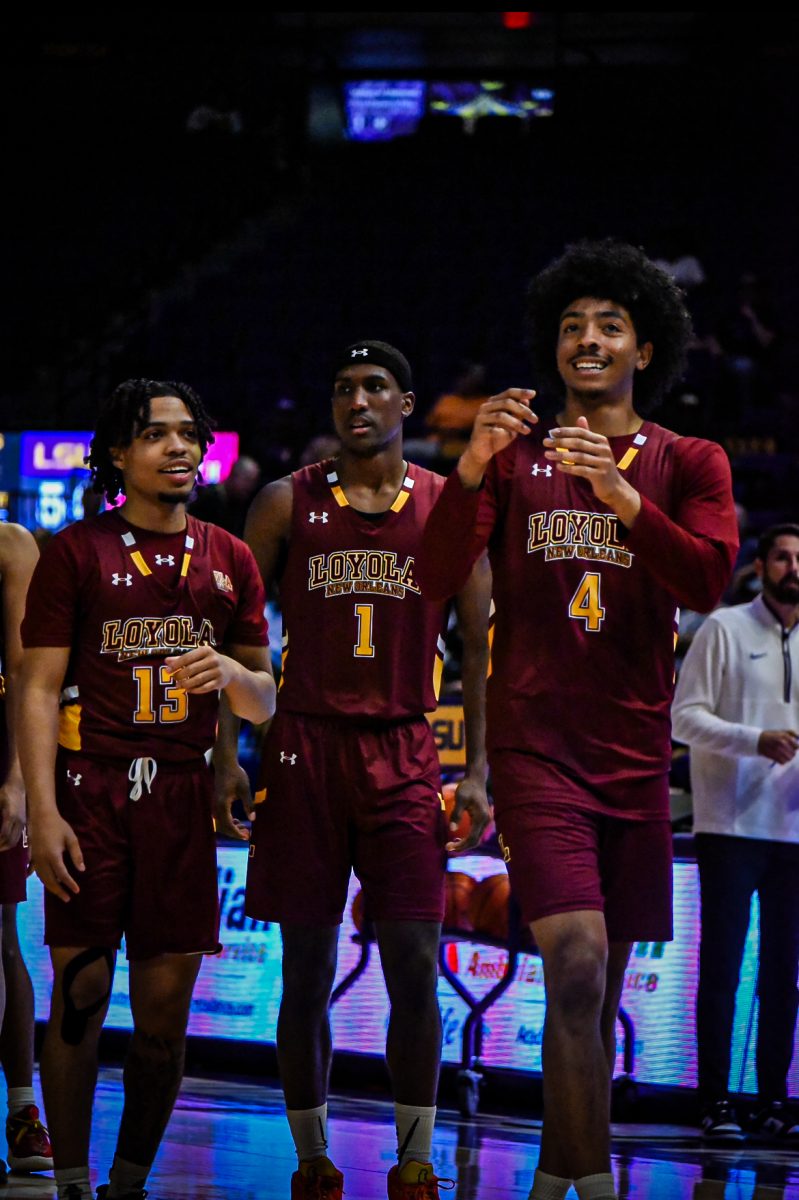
<point x="213" y="539"/>
<point x="314" y="474"/>
<point x="649" y="430"/>
<point x="690" y="447"/>
<point x="424" y="478"/>
<point x="83" y="532"/>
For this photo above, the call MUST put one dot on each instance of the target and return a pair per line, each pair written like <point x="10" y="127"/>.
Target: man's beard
<point x="785" y="591"/>
<point x="174" y="498"/>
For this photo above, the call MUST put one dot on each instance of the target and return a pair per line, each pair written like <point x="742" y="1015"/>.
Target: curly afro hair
<point x="124" y="414"/>
<point x="614" y="271"/>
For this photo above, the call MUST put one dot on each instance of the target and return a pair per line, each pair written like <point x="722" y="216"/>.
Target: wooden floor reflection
<point x="230" y="1140"/>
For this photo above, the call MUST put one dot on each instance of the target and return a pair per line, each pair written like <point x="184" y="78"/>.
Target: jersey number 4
<point x="176" y="702"/>
<point x="585" y="604"/>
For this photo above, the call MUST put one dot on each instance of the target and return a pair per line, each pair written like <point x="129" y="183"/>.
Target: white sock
<point x="414" y="1133"/>
<point x="548" y="1187"/>
<point x="125" y="1177"/>
<point x="77" y="1176"/>
<point x="20" y="1097"/>
<point x="309" y="1130"/>
<point x="596" y="1187"/>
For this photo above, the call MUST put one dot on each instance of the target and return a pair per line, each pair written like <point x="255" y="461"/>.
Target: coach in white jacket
<point x="737" y="707"/>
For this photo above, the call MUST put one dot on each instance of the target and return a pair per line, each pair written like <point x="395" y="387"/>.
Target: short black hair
<point x="124" y="414"/>
<point x="611" y="270"/>
<point x="769" y="536"/>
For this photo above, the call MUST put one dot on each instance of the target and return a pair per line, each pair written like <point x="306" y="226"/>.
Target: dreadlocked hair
<point x="124" y="414"/>
<point x="611" y="270"/>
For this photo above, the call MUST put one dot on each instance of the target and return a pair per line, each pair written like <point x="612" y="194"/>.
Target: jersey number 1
<point x="364" y="647"/>
<point x="176" y="702"/>
<point x="585" y="604"/>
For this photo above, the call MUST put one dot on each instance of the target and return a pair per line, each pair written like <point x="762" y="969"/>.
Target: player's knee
<point x="85" y="988"/>
<point x="156" y="1057"/>
<point x="307" y="986"/>
<point x="412" y="979"/>
<point x="575" y="975"/>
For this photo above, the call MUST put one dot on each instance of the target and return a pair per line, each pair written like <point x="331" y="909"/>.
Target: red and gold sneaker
<point x="317" y="1180"/>
<point x="29" y="1146"/>
<point x="416" y="1181"/>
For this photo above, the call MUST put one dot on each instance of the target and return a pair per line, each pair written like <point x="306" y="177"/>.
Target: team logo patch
<point x="288" y="758"/>
<point x="126" y="579"/>
<point x="223" y="581"/>
<point x="537" y="469"/>
<point x="322" y="516"/>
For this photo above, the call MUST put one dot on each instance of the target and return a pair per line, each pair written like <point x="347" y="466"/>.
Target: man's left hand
<point x="201" y="670"/>
<point x="470" y="797"/>
<point x="576" y="450"/>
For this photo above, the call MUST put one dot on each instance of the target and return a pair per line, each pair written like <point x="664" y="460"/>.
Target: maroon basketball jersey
<point x="124" y="599"/>
<point x="359" y="639"/>
<point x="583" y="649"/>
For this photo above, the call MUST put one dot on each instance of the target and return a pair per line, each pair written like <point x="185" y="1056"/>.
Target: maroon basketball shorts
<point x="14" y="872"/>
<point x="562" y="856"/>
<point x="343" y="795"/>
<point x="150" y="861"/>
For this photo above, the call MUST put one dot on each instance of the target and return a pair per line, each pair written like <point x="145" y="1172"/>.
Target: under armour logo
<point x="75" y="778"/>
<point x="318" y="517"/>
<point x="126" y="579"/>
<point x="539" y="470"/>
<point x="289" y="758"/>
<point x="355" y="353"/>
<point x="167" y="560"/>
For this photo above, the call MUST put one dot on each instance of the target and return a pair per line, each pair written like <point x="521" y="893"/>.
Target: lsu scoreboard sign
<point x="449" y="733"/>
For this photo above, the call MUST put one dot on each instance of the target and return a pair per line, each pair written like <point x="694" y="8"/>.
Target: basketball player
<point x="599" y="524"/>
<point x="28" y="1141"/>
<point x="130" y="609"/>
<point x="351" y="770"/>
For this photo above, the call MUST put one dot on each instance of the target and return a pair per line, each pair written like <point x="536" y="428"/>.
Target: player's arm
<point x="268" y="527"/>
<point x="499" y="422"/>
<point x="706" y="671"/>
<point x="243" y="674"/>
<point x="266" y="533"/>
<point x="18" y="555"/>
<point x="51" y="838"/>
<point x="473" y="604"/>
<point x="458" y="529"/>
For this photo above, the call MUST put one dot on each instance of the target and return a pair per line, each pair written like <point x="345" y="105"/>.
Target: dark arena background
<point x="228" y="198"/>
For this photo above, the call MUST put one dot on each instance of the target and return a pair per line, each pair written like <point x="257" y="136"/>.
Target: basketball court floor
<point x="229" y="1139"/>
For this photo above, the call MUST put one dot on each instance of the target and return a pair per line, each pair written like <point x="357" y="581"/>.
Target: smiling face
<point x="598" y="352"/>
<point x="161" y="462"/>
<point x="368" y="408"/>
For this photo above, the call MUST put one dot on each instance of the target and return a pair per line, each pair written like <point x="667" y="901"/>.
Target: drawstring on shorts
<point x="141" y="774"/>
